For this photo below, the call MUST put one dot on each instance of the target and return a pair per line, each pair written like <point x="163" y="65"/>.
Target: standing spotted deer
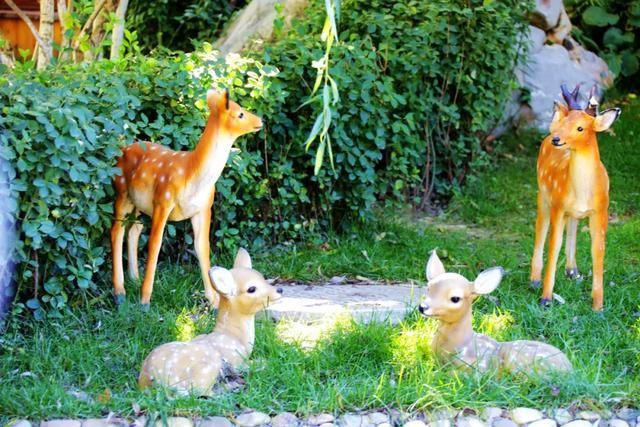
<point x="172" y="185"/>
<point x="195" y="366"/>
<point x="449" y="299"/>
<point x="572" y="184"/>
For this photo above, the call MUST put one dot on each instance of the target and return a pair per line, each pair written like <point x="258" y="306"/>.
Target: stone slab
<point x="365" y="303"/>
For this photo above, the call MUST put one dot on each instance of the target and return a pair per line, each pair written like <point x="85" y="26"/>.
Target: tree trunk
<point x="46" y="47"/>
<point x="97" y="30"/>
<point x="47" y="13"/>
<point x="118" y="29"/>
<point x="63" y="14"/>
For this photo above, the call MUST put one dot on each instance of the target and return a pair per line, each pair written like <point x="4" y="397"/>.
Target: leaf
<point x="314" y="130"/>
<point x="629" y="63"/>
<point x="331" y="17"/>
<point x="319" y="156"/>
<point x="598" y="17"/>
<point x="615" y="37"/>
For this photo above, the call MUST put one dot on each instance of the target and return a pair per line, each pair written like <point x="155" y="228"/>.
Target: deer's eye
<point x="241" y="115"/>
<point x="455" y="300"/>
<point x="580" y="128"/>
<point x="251" y="290"/>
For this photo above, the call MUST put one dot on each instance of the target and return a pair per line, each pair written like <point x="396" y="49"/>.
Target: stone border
<point x="489" y="417"/>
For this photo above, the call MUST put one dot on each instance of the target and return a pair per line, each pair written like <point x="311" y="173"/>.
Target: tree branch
<point x="45" y="48"/>
<point x="118" y="29"/>
<point x="87" y="24"/>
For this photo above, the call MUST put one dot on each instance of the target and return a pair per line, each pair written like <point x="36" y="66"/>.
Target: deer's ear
<point x="226" y="99"/>
<point x="560" y="111"/>
<point x="223" y="281"/>
<point x="434" y="266"/>
<point x="488" y="280"/>
<point x="605" y="119"/>
<point x="243" y="259"/>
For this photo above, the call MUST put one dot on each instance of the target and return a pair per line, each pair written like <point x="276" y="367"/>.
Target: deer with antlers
<point x="172" y="185"/>
<point x="572" y="184"/>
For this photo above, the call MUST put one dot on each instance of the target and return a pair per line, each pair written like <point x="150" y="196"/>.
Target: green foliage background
<point x="421" y="84"/>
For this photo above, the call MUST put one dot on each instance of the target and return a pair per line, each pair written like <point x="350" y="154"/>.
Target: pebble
<point x="353" y="420"/>
<point x="316" y="420"/>
<point x="285" y="419"/>
<point x="470" y="422"/>
<point x="503" y="422"/>
<point x="562" y="416"/>
<point x="60" y="423"/>
<point x="440" y="423"/>
<point x="175" y="422"/>
<point x="588" y="415"/>
<point x="252" y="419"/>
<point x="214" y="422"/>
<point x="579" y="423"/>
<point x="491" y="412"/>
<point x="526" y="415"/>
<point x="19" y="423"/>
<point x="547" y="422"/>
<point x="628" y="414"/>
<point x="617" y="422"/>
<point x="415" y="423"/>
<point x="376" y="418"/>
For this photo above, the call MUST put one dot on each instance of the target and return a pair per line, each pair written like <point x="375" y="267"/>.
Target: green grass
<point x="86" y="364"/>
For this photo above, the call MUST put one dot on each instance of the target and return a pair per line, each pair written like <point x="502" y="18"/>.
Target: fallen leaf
<point x="105" y="396"/>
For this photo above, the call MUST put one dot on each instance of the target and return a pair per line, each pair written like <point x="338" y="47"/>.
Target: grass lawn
<point x="86" y="364"/>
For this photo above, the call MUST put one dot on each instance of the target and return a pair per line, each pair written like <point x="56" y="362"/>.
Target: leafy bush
<point x="421" y="84"/>
<point x="176" y="24"/>
<point x="611" y="28"/>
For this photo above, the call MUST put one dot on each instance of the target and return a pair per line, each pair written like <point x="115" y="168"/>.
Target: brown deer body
<point x="572" y="184"/>
<point x="172" y="185"/>
<point x="449" y="299"/>
<point x="194" y="366"/>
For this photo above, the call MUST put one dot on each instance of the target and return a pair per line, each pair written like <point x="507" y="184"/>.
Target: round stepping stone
<point x="285" y="419"/>
<point x="503" y="422"/>
<point x="316" y="420"/>
<point x="252" y="419"/>
<point x="562" y="416"/>
<point x="491" y="412"/>
<point x="616" y="422"/>
<point x="215" y="422"/>
<point x="588" y="415"/>
<point x="376" y="418"/>
<point x="547" y="422"/>
<point x="526" y="415"/>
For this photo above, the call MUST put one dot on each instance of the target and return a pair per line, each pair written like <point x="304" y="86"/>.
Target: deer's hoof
<point x="572" y="273"/>
<point x="545" y="303"/>
<point x="145" y="307"/>
<point x="535" y="284"/>
<point x="119" y="299"/>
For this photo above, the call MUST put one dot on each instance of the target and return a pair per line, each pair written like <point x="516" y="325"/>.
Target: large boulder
<point x="255" y="23"/>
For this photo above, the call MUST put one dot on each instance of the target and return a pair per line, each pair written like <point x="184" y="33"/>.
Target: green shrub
<point x="421" y="84"/>
<point x="610" y="28"/>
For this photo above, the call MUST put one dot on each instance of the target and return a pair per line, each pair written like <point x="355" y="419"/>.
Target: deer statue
<point x="194" y="366"/>
<point x="172" y="185"/>
<point x="449" y="298"/>
<point x="572" y="184"/>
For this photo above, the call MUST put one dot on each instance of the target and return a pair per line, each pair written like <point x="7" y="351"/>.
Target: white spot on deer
<point x="162" y="178"/>
<point x="180" y="171"/>
<point x="167" y="195"/>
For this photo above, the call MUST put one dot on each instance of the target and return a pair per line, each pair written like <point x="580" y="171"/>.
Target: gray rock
<point x="285" y="419"/>
<point x="617" y="422"/>
<point x="588" y="415"/>
<point x="562" y="416"/>
<point x="385" y="425"/>
<point x="20" y="423"/>
<point x="470" y="421"/>
<point x="440" y="423"/>
<point x="491" y="412"/>
<point x="353" y="420"/>
<point x="376" y="418"/>
<point x="60" y="423"/>
<point x="252" y="419"/>
<point x="546" y="14"/>
<point x="503" y="422"/>
<point x="546" y="422"/>
<point x="628" y="414"/>
<point x="175" y="422"/>
<point x="526" y="415"/>
<point x="535" y="39"/>
<point x="579" y="423"/>
<point x="214" y="422"/>
<point x="414" y="423"/>
<point x="319" y="419"/>
<point x="100" y="422"/>
<point x="327" y="425"/>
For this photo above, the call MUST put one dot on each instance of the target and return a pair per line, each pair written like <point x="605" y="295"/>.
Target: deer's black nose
<point x="422" y="308"/>
<point x="555" y="140"/>
<point x="280" y="290"/>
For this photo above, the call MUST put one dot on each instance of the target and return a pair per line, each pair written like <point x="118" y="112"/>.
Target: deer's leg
<point x="122" y="207"/>
<point x="598" y="228"/>
<point x="542" y="227"/>
<point x="201" y="223"/>
<point x="571" y="268"/>
<point x="555" y="243"/>
<point x="158" y="222"/>
<point x="132" y="247"/>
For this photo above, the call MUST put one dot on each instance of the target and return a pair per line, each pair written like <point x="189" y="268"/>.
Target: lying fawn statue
<point x="449" y="299"/>
<point x="194" y="366"/>
<point x="572" y="184"/>
<point x="172" y="185"/>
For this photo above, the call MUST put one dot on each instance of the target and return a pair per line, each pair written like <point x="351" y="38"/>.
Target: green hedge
<point x="421" y="84"/>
